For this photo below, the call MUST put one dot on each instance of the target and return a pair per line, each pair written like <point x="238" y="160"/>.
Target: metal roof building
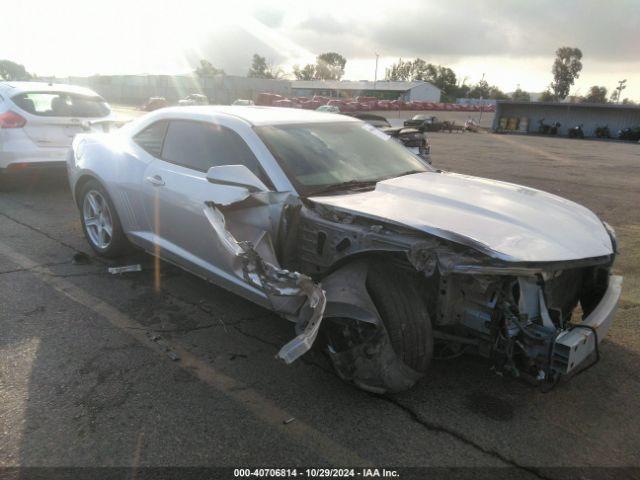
<point x="589" y="115"/>
<point x="382" y="89"/>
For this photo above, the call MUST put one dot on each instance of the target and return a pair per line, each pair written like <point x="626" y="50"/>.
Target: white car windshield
<point x="319" y="156"/>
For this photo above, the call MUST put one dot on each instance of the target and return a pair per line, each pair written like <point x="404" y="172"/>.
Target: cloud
<point x="606" y="32"/>
<point x="269" y="16"/>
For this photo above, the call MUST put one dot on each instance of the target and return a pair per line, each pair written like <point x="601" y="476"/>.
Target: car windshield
<point x="59" y="104"/>
<point x="421" y="117"/>
<point x="319" y="156"/>
<point x="378" y="123"/>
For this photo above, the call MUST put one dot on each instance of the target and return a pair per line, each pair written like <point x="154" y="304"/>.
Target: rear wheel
<point x="100" y="221"/>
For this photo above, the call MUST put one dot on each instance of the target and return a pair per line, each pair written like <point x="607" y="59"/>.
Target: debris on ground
<point x="126" y="268"/>
<point x="237" y="355"/>
<point x="80" y="258"/>
<point x="288" y="421"/>
<point x="173" y="355"/>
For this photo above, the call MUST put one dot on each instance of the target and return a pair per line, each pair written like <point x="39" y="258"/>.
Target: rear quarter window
<point x="152" y="138"/>
<point x="60" y="104"/>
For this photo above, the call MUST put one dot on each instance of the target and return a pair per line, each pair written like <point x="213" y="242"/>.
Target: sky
<point x="511" y="42"/>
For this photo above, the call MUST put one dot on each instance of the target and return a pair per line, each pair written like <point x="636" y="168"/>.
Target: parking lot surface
<point x="100" y="369"/>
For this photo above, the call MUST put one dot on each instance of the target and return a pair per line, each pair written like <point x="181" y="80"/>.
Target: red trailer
<point x="267" y="99"/>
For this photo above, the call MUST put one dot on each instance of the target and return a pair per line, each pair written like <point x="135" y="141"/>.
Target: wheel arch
<point x="84" y="178"/>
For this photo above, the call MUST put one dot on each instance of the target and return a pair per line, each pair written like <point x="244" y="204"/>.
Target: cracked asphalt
<point x="104" y="370"/>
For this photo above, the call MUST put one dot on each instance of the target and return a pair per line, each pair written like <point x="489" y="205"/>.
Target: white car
<point x="328" y="222"/>
<point x="242" y="102"/>
<point x="194" y="99"/>
<point x="328" y="109"/>
<point x="39" y="120"/>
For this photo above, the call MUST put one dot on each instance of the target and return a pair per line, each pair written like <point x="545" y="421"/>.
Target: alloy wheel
<point x="97" y="219"/>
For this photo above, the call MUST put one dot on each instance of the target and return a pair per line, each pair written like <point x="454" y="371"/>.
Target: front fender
<point x="347" y="295"/>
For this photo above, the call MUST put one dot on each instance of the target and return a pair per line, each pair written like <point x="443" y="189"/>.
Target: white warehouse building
<point x="381" y="89"/>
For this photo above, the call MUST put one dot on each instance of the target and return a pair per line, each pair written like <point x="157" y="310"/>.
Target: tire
<point x="401" y="305"/>
<point x="97" y="234"/>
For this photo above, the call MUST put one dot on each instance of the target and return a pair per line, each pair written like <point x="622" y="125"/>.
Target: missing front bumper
<point x="572" y="347"/>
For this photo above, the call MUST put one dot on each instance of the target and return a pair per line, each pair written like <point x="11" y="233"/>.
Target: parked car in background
<point x="242" y="102"/>
<point x="412" y="138"/>
<point x="322" y="219"/>
<point x="424" y="123"/>
<point x="194" y="99"/>
<point x="154" y="103"/>
<point x="39" y="120"/>
<point x="328" y="108"/>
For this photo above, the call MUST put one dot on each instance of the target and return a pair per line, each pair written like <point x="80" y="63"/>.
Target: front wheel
<point x="100" y="221"/>
<point x="391" y="356"/>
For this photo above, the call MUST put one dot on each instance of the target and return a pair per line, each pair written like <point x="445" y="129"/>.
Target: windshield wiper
<point x="349" y="185"/>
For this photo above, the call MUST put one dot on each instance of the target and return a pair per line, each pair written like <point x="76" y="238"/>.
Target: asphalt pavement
<point x="115" y="370"/>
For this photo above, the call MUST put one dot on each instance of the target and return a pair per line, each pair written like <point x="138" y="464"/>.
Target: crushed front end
<point x="536" y="321"/>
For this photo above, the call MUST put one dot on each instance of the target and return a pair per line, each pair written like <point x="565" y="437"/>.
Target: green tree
<point x="206" y="69"/>
<point x="13" y="71"/>
<point x="520" y="96"/>
<point x="566" y="68"/>
<point x="628" y="101"/>
<point x="330" y="66"/>
<point x="444" y="78"/>
<point x="547" y="96"/>
<point x="596" y="95"/>
<point x="308" y="72"/>
<point x="399" y="72"/>
<point x="418" y="70"/>
<point x="259" y="68"/>
<point x="482" y="89"/>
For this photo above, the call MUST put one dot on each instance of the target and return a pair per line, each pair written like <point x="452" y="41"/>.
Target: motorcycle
<point x="632" y="134"/>
<point x="548" y="129"/>
<point x="602" y="132"/>
<point x="543" y="128"/>
<point x="576" y="132"/>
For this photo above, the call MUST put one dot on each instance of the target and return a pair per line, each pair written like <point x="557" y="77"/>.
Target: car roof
<point x="14" y="88"/>
<point x="256" y="115"/>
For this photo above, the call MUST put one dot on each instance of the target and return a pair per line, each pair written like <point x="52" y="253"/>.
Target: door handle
<point x="156" y="181"/>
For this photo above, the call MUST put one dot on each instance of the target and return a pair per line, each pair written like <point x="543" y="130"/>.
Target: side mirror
<point x="236" y="176"/>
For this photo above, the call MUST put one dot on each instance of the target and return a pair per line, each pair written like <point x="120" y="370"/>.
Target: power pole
<point x="481" y="103"/>
<point x="375" y="75"/>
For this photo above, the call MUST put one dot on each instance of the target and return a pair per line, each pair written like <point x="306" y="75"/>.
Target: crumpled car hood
<point x="507" y="221"/>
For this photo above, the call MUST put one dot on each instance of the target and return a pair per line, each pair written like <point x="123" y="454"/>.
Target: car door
<point x="177" y="192"/>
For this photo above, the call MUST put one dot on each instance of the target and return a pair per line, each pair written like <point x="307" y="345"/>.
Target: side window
<point x="200" y="146"/>
<point x="151" y="138"/>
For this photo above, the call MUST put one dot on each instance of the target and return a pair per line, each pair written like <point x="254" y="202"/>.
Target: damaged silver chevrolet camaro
<point x="378" y="258"/>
